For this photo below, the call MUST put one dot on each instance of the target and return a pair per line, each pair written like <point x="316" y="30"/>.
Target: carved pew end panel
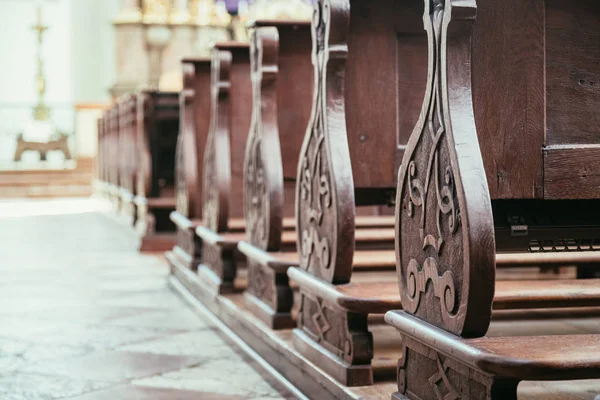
<point x="216" y="181"/>
<point x="444" y="226"/>
<point x="334" y="339"/>
<point x="263" y="169"/>
<point x="325" y="205"/>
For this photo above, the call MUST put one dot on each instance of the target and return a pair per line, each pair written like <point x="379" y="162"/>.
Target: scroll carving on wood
<point x="325" y="189"/>
<point x="263" y="168"/>
<point x="443" y="211"/>
<point x="217" y="159"/>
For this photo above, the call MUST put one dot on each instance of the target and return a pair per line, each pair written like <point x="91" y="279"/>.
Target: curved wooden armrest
<point x="560" y="357"/>
<point x="364" y="298"/>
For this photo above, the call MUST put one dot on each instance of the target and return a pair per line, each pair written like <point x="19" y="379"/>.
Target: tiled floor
<point x="83" y="316"/>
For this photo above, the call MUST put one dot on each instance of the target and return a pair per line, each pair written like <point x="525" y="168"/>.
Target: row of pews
<point x="398" y="199"/>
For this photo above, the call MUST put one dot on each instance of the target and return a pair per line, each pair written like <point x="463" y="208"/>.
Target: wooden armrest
<point x="184" y="222"/>
<point x="278" y="261"/>
<point x="215" y="239"/>
<point x="364" y="298"/>
<point x="559" y="357"/>
<point x="547" y="294"/>
<point x="364" y="260"/>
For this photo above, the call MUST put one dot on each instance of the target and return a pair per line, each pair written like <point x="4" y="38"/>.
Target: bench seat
<point x="533" y="358"/>
<point x="380" y="297"/>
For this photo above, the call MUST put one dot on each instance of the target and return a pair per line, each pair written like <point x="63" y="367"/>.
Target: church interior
<point x="299" y="199"/>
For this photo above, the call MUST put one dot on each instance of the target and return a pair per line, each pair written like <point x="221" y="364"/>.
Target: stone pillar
<point x="131" y="68"/>
<point x="157" y="38"/>
<point x="130" y="49"/>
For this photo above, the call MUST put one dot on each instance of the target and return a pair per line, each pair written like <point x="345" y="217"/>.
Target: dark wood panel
<point x="573" y="71"/>
<point x="508" y="95"/>
<point x="378" y="109"/>
<point x="240" y="115"/>
<point x="294" y="93"/>
<point x="202" y="121"/>
<point x="572" y="173"/>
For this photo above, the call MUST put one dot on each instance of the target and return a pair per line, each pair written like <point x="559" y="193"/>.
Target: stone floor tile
<point x="83" y="293"/>
<point x="205" y="343"/>
<point x="144" y="393"/>
<point x="182" y="319"/>
<point x="216" y="376"/>
<point x="25" y="386"/>
<point x="113" y="366"/>
<point x="102" y="336"/>
<point x="15" y="354"/>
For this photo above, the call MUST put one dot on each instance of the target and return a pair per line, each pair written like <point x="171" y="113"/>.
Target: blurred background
<point x="64" y="61"/>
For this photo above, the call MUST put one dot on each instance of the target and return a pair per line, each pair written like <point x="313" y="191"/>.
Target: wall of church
<point x="79" y="62"/>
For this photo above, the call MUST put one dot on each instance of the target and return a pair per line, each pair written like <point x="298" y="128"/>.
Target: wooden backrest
<point x="508" y="96"/>
<point x="157" y="131"/>
<point x="536" y="105"/>
<point x="370" y="66"/>
<point x="231" y="103"/>
<point x="280" y="59"/>
<point x="194" y="120"/>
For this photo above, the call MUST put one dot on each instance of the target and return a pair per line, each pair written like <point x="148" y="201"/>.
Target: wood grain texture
<point x="194" y="103"/>
<point x="508" y="95"/>
<point x="524" y="357"/>
<point x="263" y="173"/>
<point x="384" y="86"/>
<point x="444" y="225"/>
<point x="572" y="73"/>
<point x="572" y="173"/>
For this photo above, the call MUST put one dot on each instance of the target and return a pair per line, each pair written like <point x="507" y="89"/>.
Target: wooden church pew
<point x="194" y="120"/>
<point x="353" y="145"/>
<point x="280" y="60"/>
<point x="502" y="170"/>
<point x="222" y="196"/>
<point x="346" y="354"/>
<point x="157" y="131"/>
<point x="127" y="106"/>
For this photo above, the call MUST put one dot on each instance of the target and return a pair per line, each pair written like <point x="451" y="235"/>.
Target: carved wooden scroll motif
<point x="263" y="175"/>
<point x="217" y="169"/>
<point x="325" y="192"/>
<point x="445" y="238"/>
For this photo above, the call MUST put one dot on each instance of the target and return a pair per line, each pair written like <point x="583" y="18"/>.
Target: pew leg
<point x="336" y="340"/>
<point x="424" y="374"/>
<point x="269" y="296"/>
